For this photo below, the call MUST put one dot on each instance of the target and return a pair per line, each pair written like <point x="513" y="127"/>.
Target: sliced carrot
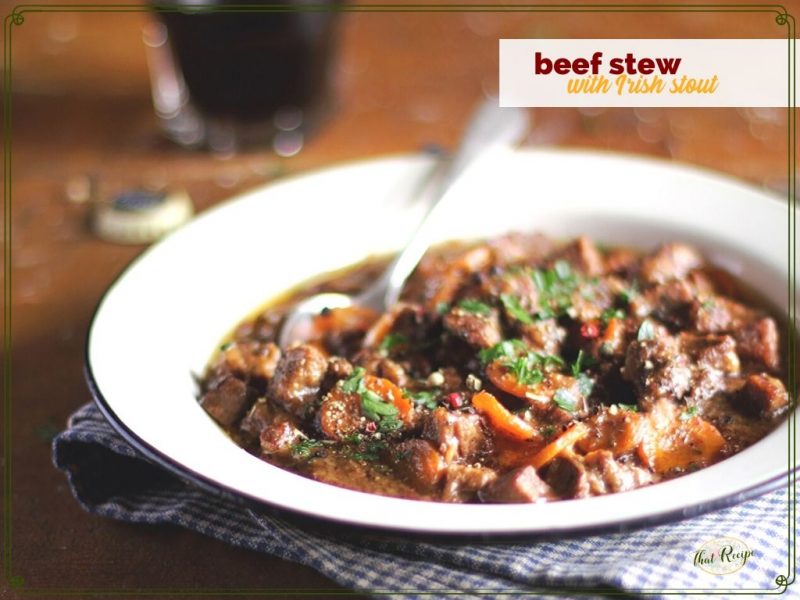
<point x="541" y="392"/>
<point x="695" y="442"/>
<point x="698" y="443"/>
<point x="563" y="442"/>
<point x="614" y="334"/>
<point x="669" y="444"/>
<point x="389" y="391"/>
<point x="620" y="432"/>
<point x="505" y="380"/>
<point x="500" y="419"/>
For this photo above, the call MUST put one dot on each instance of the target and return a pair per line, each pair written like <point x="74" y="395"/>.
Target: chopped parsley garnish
<point x="526" y="366"/>
<point x="514" y="308"/>
<point x="708" y="304"/>
<point x="393" y="339"/>
<point x="226" y="346"/>
<point x="376" y="408"/>
<point x="563" y="270"/>
<point x="565" y="399"/>
<point x="475" y="306"/>
<point x="354" y="438"/>
<point x="427" y="398"/>
<point x="370" y="451"/>
<point x="442" y="308"/>
<point x="690" y="412"/>
<point x="555" y="289"/>
<point x="646" y="331"/>
<point x="355" y="382"/>
<point x="585" y="384"/>
<point x="606" y="348"/>
<point x="309" y="448"/>
<point x="373" y="406"/>
<point x="612" y="313"/>
<point x="389" y="423"/>
<point x="505" y="349"/>
<point x="630" y="293"/>
<point x="548" y="430"/>
<point x="578" y="364"/>
<point x="628" y="407"/>
<point x="525" y="369"/>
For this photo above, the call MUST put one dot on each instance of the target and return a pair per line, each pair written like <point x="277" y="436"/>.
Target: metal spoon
<point x="489" y="128"/>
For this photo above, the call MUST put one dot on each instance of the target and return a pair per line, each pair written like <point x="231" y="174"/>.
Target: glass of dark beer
<point x="232" y="75"/>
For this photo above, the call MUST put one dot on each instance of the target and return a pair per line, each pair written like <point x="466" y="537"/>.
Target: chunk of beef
<point x="456" y="435"/>
<point x="518" y="247"/>
<point x="670" y="261"/>
<point x="516" y="283"/>
<point x="339" y="414"/>
<point x="297" y="379"/>
<point x="279" y="436"/>
<point x="257" y="418"/>
<point x="622" y="261"/>
<point x="657" y="368"/>
<point x="418" y="462"/>
<point x="405" y="318"/>
<point x="759" y="341"/>
<point x="670" y="302"/>
<point x="463" y="482"/>
<point x="342" y="330"/>
<point x="567" y="476"/>
<point x="479" y="331"/>
<point x="227" y="402"/>
<point x="592" y="298"/>
<point x="710" y="315"/>
<point x="712" y="351"/>
<point x="544" y="336"/>
<point x="338" y="368"/>
<point x="714" y="357"/>
<point x="761" y="396"/>
<point x="606" y="475"/>
<point x="441" y="278"/>
<point x="375" y="363"/>
<point x="252" y="359"/>
<point x="517" y="486"/>
<point x="584" y="256"/>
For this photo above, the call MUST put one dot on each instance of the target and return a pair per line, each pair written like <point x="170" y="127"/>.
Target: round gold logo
<point x="722" y="556"/>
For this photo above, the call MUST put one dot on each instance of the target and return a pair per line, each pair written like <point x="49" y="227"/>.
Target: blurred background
<point x="84" y="126"/>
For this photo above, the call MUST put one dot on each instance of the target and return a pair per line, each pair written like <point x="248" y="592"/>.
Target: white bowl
<point x="160" y="321"/>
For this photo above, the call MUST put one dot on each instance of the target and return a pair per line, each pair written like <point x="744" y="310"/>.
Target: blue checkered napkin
<point x="109" y="478"/>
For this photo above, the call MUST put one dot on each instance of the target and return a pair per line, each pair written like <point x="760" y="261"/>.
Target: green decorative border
<point x="17" y="18"/>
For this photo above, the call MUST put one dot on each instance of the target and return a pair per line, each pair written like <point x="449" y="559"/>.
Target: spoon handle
<point x="490" y="127"/>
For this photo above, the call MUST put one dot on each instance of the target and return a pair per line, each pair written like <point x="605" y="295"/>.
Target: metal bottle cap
<point x="141" y="216"/>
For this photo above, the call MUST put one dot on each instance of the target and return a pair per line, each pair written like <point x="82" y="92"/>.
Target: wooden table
<point x="81" y="106"/>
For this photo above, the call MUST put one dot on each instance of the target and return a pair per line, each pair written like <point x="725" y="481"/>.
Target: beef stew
<point x="518" y="369"/>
